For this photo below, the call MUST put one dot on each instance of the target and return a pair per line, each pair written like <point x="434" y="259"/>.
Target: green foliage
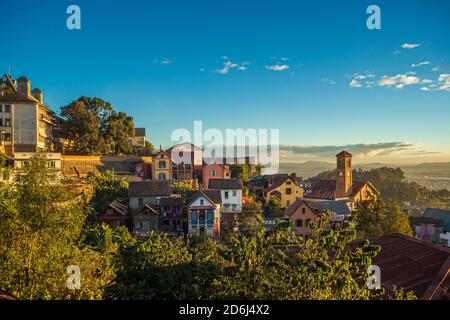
<point x="250" y="221"/>
<point x="392" y="185"/>
<point x="274" y="206"/>
<point x="181" y="187"/>
<point x="93" y="127"/>
<point x="107" y="188"/>
<point x="376" y="219"/>
<point x="40" y="228"/>
<point x="240" y="171"/>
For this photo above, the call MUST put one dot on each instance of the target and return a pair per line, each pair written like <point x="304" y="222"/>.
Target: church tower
<point x="344" y="179"/>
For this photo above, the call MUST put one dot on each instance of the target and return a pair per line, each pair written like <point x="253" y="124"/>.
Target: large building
<point x="343" y="187"/>
<point x="26" y="123"/>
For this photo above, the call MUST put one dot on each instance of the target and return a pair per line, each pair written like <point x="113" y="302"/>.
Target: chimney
<point x="24" y="86"/>
<point x="38" y="95"/>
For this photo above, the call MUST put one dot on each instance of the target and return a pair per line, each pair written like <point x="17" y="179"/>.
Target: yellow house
<point x="162" y="166"/>
<point x="286" y="191"/>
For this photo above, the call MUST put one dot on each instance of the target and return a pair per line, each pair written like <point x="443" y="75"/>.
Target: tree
<point x="250" y="221"/>
<point x="107" y="188"/>
<point x="374" y="218"/>
<point x="274" y="206"/>
<point x="92" y="127"/>
<point x="240" y="171"/>
<point x="40" y="228"/>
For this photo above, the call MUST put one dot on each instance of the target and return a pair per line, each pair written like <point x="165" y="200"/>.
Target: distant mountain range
<point x="432" y="175"/>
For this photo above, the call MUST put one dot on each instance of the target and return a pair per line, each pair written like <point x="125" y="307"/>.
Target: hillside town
<point x="215" y="196"/>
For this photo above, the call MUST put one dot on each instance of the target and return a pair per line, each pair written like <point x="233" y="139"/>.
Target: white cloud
<point x="162" y="61"/>
<point x="444" y="82"/>
<point x="420" y="64"/>
<point x="278" y="67"/>
<point x="399" y="81"/>
<point x="354" y="83"/>
<point x="329" y="81"/>
<point x="228" y="65"/>
<point x="410" y="45"/>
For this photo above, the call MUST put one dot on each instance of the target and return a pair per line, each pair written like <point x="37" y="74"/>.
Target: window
<point x="288" y="191"/>
<point x="226" y="195"/>
<point x="202" y="215"/>
<point x="234" y="193"/>
<point x="26" y="164"/>
<point x="303" y="210"/>
<point x="1" y="120"/>
<point x="109" y="211"/>
<point x="7" y="122"/>
<point x="52" y="164"/>
<point x="213" y="173"/>
<point x="299" y="223"/>
<point x="202" y="202"/>
<point x="140" y="201"/>
<point x="162" y="176"/>
<point x="7" y="136"/>
<point x="1" y="108"/>
<point x="7" y="108"/>
<point x="162" y="164"/>
<point x="288" y="203"/>
<point x="288" y="182"/>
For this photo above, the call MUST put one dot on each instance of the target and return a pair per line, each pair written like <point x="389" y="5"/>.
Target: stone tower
<point x="344" y="179"/>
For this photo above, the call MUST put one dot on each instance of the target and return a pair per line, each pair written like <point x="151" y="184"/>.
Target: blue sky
<point x="310" y="68"/>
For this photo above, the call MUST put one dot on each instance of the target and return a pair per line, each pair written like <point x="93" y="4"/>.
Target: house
<point x="231" y="193"/>
<point x="26" y="123"/>
<point x="443" y="216"/>
<point x="302" y="212"/>
<point x="344" y="187"/>
<point x="185" y="156"/>
<point x="214" y="171"/>
<point x="286" y="191"/>
<point x="231" y="196"/>
<point x="114" y="214"/>
<point x="172" y="219"/>
<point x="162" y="166"/>
<point x="427" y="229"/>
<point x="22" y="160"/>
<point x="145" y="220"/>
<point x="413" y="264"/>
<point x="138" y="140"/>
<point x="204" y="213"/>
<point x="256" y="185"/>
<point x="142" y="192"/>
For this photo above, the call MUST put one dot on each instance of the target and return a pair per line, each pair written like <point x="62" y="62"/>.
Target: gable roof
<point x="279" y="183"/>
<point x="151" y="188"/>
<point x="148" y="206"/>
<point x="314" y="206"/>
<point x="414" y="265"/>
<point x="326" y="189"/>
<point x="212" y="196"/>
<point x="223" y="184"/>
<point x="121" y="208"/>
<point x="439" y="214"/>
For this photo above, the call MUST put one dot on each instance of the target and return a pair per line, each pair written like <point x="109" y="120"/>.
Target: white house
<point x="204" y="213"/>
<point x="231" y="193"/>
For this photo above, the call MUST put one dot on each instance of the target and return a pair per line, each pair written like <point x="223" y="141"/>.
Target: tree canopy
<point x="92" y="126"/>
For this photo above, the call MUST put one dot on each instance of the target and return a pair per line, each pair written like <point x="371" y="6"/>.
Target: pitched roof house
<point x="114" y="214"/>
<point x="143" y="192"/>
<point x="204" y="213"/>
<point x="286" y="191"/>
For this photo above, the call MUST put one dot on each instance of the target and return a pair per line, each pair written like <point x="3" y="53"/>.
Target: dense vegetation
<point x="92" y="126"/>
<point x="44" y="229"/>
<point x="392" y="185"/>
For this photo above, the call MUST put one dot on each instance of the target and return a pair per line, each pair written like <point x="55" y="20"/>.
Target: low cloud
<point x="410" y="45"/>
<point x="329" y="82"/>
<point x="163" y="61"/>
<point x="398" y="81"/>
<point x="369" y="150"/>
<point x="423" y="63"/>
<point x="228" y="65"/>
<point x="278" y="67"/>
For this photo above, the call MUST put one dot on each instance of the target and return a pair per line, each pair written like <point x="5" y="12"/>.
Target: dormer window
<point x="202" y="202"/>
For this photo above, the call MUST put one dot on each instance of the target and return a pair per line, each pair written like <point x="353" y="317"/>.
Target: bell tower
<point x="344" y="179"/>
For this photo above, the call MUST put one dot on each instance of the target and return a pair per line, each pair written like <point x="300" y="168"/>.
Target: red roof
<point x="315" y="206"/>
<point x="414" y="265"/>
<point x="326" y="189"/>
